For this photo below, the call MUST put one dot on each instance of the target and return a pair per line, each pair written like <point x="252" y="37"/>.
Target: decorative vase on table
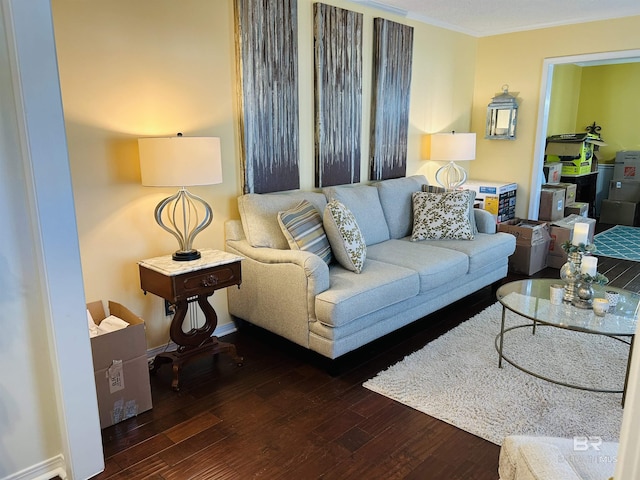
<point x="570" y="273"/>
<point x="584" y="294"/>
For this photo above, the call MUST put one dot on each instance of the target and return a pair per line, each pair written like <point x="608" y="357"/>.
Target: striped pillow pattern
<point x="302" y="226"/>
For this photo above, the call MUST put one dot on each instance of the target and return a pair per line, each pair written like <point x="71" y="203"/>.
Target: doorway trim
<point x="588" y="59"/>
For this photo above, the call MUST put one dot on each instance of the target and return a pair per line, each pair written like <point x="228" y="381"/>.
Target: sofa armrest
<point x="313" y="266"/>
<point x="485" y="221"/>
<point x="279" y="287"/>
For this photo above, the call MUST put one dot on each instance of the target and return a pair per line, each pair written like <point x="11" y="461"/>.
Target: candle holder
<point x="570" y="271"/>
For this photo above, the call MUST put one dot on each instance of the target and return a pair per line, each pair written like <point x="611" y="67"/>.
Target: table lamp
<point x="181" y="162"/>
<point x="452" y="147"/>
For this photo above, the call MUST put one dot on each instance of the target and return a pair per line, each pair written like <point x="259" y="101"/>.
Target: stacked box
<point x="551" y="204"/>
<point x="497" y="198"/>
<point x="532" y="245"/>
<point x="627" y="166"/>
<point x="624" y="190"/>
<point x="577" y="208"/>
<point x="574" y="150"/>
<point x="620" y="213"/>
<point x="570" y="190"/>
<point x="552" y="172"/>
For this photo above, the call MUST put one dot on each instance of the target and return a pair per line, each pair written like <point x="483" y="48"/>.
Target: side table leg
<point x="504" y="313"/>
<point x="626" y="376"/>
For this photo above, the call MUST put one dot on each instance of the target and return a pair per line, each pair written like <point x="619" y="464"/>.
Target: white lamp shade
<point x="180" y="161"/>
<point x="452" y="147"/>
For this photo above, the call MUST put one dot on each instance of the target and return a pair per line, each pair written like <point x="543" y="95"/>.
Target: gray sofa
<point x="332" y="310"/>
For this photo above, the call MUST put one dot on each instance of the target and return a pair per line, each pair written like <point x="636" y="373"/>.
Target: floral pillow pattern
<point x="345" y="237"/>
<point x="439" y="216"/>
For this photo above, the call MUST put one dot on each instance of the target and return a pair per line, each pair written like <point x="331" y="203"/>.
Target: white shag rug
<point x="456" y="378"/>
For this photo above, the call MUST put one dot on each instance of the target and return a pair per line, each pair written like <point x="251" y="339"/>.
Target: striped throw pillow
<point x="302" y="227"/>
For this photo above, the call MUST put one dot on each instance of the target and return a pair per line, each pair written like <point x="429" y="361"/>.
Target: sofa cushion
<point x="347" y="242"/>
<point x="395" y="199"/>
<point x="434" y="265"/>
<point x="302" y="227"/>
<point x="259" y="215"/>
<point x="442" y="216"/>
<point x="483" y="250"/>
<point x="363" y="201"/>
<point x="350" y="297"/>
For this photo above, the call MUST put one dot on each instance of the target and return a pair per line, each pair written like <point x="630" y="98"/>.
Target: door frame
<point x="588" y="59"/>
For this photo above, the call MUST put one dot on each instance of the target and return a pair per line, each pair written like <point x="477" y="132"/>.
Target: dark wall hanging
<point x="338" y="94"/>
<point x="391" y="85"/>
<point x="267" y="52"/>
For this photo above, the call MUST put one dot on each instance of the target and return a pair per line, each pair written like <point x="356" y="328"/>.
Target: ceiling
<point x="492" y="17"/>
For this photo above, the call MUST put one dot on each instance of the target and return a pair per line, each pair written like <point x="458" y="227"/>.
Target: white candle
<point x="580" y="233"/>
<point x="589" y="266"/>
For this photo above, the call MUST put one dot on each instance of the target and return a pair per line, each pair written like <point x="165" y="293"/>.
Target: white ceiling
<point x="492" y="17"/>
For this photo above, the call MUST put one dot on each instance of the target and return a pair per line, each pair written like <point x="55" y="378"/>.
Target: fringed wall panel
<point x="391" y="85"/>
<point x="338" y="94"/>
<point x="267" y="52"/>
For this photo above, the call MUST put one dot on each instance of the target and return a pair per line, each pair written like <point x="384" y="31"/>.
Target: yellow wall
<point x="517" y="59"/>
<point x="605" y="94"/>
<point x="610" y="96"/>
<point x="158" y="67"/>
<point x="565" y="98"/>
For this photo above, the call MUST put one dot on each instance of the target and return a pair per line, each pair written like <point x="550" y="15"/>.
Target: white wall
<point x="48" y="413"/>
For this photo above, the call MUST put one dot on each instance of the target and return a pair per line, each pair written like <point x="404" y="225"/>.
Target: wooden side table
<point x="182" y="283"/>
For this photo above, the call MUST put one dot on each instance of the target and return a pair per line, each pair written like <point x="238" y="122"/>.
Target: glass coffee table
<point x="530" y="299"/>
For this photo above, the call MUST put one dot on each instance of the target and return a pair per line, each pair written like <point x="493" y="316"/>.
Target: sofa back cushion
<point x="259" y="215"/>
<point x="364" y="203"/>
<point x="397" y="205"/>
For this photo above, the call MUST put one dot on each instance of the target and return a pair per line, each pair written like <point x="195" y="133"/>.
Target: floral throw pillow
<point x="439" y="216"/>
<point x="302" y="226"/>
<point x="347" y="242"/>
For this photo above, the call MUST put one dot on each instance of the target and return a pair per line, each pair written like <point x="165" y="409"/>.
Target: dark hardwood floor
<point x="283" y="416"/>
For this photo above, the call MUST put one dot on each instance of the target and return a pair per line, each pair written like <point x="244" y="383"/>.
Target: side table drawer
<point x="195" y="283"/>
<point x="189" y="284"/>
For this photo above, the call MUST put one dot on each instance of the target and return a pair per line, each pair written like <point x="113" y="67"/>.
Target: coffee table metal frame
<point x="537" y="290"/>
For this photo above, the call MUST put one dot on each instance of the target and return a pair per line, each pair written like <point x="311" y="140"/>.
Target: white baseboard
<point x="221" y="331"/>
<point x="54" y="467"/>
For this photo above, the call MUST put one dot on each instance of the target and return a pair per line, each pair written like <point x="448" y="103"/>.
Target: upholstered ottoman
<point x="551" y="458"/>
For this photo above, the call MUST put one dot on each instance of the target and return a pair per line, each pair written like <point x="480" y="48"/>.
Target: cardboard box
<point x="575" y="157"/>
<point x="120" y="366"/>
<point x="551" y="204"/>
<point x="532" y="245"/>
<point x="497" y="198"/>
<point x="627" y="165"/>
<point x="577" y="208"/>
<point x="619" y="213"/>
<point x="574" y="150"/>
<point x="561" y="231"/>
<point x="570" y="190"/>
<point x="624" y="190"/>
<point x="552" y="172"/>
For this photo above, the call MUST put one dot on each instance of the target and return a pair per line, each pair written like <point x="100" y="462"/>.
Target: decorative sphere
<point x="585" y="291"/>
<point x="569" y="272"/>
